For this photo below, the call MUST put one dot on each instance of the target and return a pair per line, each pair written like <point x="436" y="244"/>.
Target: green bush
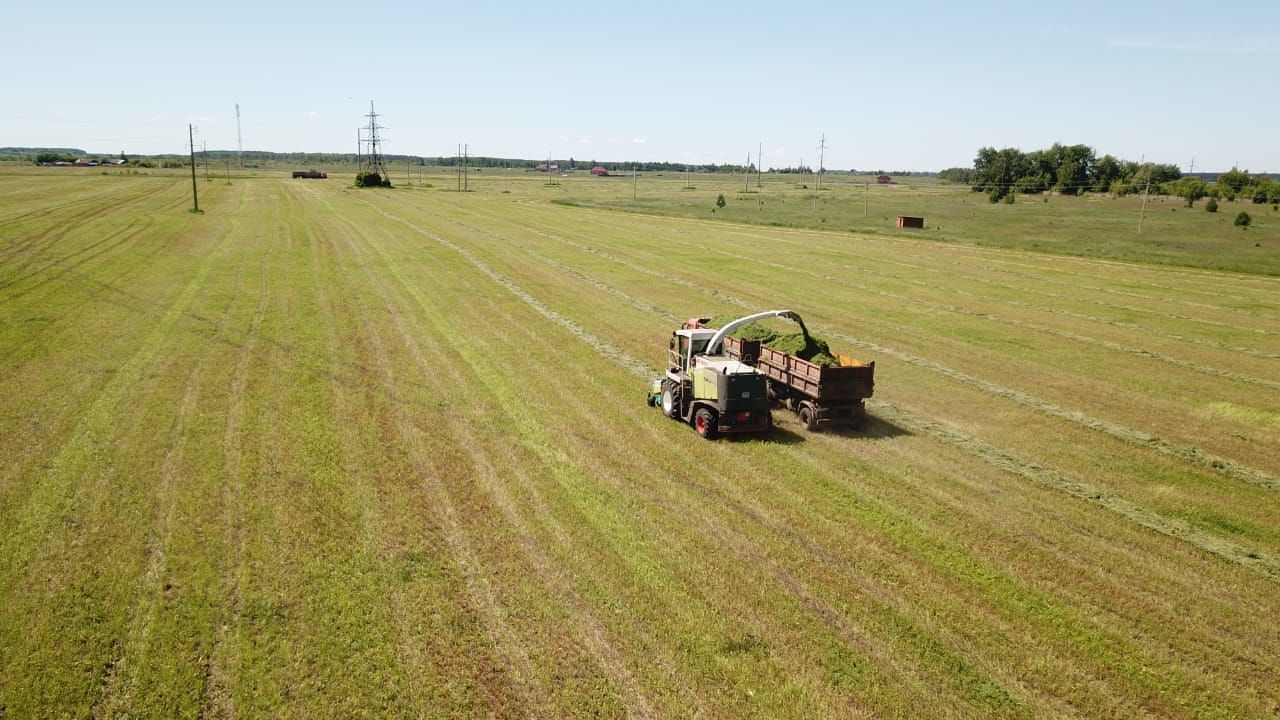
<point x="720" y="201"/>
<point x="372" y="179"/>
<point x="1212" y="205"/>
<point x="1243" y="219"/>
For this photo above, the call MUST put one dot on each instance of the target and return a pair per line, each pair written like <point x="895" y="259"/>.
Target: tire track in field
<point x="95" y="249"/>
<point x="590" y="627"/>
<point x="1012" y="322"/>
<point x="118" y="687"/>
<point x="94" y="212"/>
<point x="1267" y="566"/>
<point x="1216" y="463"/>
<point x="725" y="535"/>
<point x="1204" y="541"/>
<point x="761" y="516"/>
<point x="1030" y="306"/>
<point x="479" y="588"/>
<point x="218" y="699"/>
<point x="959" y="310"/>
<point x="95" y="424"/>
<point x="148" y="310"/>
<point x="1060" y="311"/>
<point x="999" y="260"/>
<point x="951" y="273"/>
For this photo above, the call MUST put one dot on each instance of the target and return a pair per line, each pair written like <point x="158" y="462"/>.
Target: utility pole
<point x="822" y="150"/>
<point x="458" y="169"/>
<point x="465" y="149"/>
<point x="191" y="140"/>
<point x="239" y="140"/>
<point x="746" y="175"/>
<point x="1192" y="170"/>
<point x="1146" y="192"/>
<point x="204" y="155"/>
<point x="759" y="162"/>
<point x="1142" y="213"/>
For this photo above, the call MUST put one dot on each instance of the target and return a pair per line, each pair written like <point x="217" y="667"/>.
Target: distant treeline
<point x="1076" y="169"/>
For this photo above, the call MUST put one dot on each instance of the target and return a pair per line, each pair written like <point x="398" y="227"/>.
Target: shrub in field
<point x="372" y="179"/>
<point x="720" y="201"/>
<point x="1243" y="219"/>
<point x="1212" y="205"/>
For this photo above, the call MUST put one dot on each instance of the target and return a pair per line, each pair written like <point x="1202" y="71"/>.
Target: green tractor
<point x="706" y="388"/>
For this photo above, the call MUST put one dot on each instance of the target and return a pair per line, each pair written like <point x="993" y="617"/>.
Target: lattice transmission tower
<point x="372" y="161"/>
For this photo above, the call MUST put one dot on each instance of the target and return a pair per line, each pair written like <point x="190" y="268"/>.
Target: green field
<point x="323" y="452"/>
<point x="1091" y="225"/>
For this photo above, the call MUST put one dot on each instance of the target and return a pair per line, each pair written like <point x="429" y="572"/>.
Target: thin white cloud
<point x="1145" y="43"/>
<point x="638" y="141"/>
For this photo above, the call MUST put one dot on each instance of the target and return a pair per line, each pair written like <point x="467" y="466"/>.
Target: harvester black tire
<point x="704" y="421"/>
<point x="670" y="402"/>
<point x="808" y="417"/>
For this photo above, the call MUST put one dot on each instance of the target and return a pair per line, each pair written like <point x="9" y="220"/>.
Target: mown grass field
<point x="322" y="452"/>
<point x="1091" y="225"/>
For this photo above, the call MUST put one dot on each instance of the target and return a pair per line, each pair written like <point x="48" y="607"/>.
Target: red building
<point x="884" y="180"/>
<point x="599" y="170"/>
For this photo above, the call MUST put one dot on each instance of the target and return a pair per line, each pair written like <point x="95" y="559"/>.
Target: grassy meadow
<point x="326" y="452"/>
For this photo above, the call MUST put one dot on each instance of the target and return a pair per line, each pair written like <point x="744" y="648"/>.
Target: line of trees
<point x="1076" y="169"/>
<point x="1066" y="169"/>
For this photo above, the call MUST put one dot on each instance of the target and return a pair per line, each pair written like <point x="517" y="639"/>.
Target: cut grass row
<point x="391" y="460"/>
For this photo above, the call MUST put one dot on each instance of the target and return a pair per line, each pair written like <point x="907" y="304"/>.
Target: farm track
<point x="63" y="505"/>
<point x="830" y="242"/>
<point x="97" y="286"/>
<point x="367" y="453"/>
<point x="572" y="329"/>
<point x="1182" y="451"/>
<point x="1230" y="551"/>
<point x="1042" y="271"/>
<point x="63" y="219"/>
<point x="952" y="272"/>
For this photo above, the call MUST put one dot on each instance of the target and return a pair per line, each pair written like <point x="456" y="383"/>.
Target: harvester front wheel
<point x="670" y="401"/>
<point x="704" y="421"/>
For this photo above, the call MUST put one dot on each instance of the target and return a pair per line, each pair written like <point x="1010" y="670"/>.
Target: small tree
<point x="1211" y="206"/>
<point x="720" y="201"/>
<point x="1243" y="219"/>
<point x="372" y="179"/>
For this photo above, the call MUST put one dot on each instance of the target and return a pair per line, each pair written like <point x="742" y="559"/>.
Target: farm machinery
<point x="723" y="384"/>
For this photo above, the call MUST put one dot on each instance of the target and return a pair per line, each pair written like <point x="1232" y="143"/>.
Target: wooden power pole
<point x="191" y="140"/>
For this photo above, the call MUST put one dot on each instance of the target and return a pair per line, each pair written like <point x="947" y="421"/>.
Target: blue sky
<point x="892" y="85"/>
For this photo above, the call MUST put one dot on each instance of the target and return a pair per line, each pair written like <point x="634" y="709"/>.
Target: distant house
<point x="543" y="167"/>
<point x="599" y="170"/>
<point x="884" y="180"/>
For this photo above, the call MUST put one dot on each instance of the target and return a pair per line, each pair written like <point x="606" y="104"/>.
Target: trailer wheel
<point x="704" y="421"/>
<point x="808" y="417"/>
<point x="670" y="401"/>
